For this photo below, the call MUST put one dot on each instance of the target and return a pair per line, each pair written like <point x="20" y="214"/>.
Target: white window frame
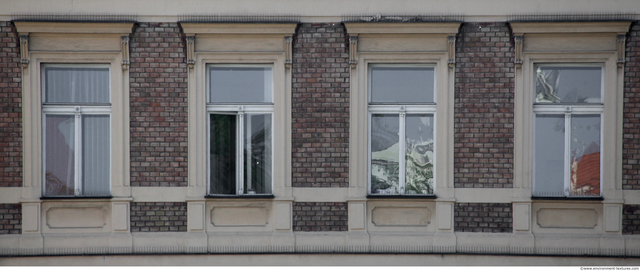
<point x="77" y="110"/>
<point x="402" y="109"/>
<point x="239" y="109"/>
<point x="568" y="109"/>
<point x="610" y="117"/>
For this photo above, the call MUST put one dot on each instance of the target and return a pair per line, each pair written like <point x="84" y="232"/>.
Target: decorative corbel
<point x="353" y="51"/>
<point x="452" y="51"/>
<point x="518" y="44"/>
<point x="191" y="61"/>
<point x="621" y="44"/>
<point x="24" y="50"/>
<point x="288" y="42"/>
<point x="125" y="52"/>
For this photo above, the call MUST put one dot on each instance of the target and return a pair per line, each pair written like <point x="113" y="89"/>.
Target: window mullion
<point x="240" y="152"/>
<point x="401" y="152"/>
<point x="247" y="138"/>
<point x="567" y="153"/>
<point x="78" y="151"/>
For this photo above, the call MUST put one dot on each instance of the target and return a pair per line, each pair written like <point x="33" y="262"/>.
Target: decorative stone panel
<point x="320" y="216"/>
<point x="631" y="112"/>
<point x="484" y="101"/>
<point x="10" y="219"/>
<point x="483" y="217"/>
<point x="631" y="219"/>
<point x="10" y="108"/>
<point x="320" y="113"/>
<point x="158" y="77"/>
<point x="158" y="216"/>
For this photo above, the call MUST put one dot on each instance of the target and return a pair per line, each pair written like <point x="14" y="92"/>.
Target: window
<point x="568" y="112"/>
<point x="240" y="109"/>
<point x="76" y="112"/>
<point x="401" y="111"/>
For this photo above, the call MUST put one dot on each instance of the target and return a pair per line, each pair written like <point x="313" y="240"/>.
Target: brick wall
<point x="484" y="91"/>
<point x="320" y="113"/>
<point x="158" y="77"/>
<point x="158" y="216"/>
<point x="320" y="216"/>
<point x="631" y="111"/>
<point x="631" y="219"/>
<point x="10" y="219"/>
<point x="483" y="217"/>
<point x="10" y="107"/>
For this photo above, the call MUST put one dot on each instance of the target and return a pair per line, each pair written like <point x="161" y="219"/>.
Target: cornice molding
<point x="287" y="29"/>
<point x="74" y="28"/>
<point x="570" y="27"/>
<point x="402" y="28"/>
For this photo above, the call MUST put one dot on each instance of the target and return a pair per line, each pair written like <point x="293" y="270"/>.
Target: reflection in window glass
<point x="385" y="154"/>
<point x="419" y="154"/>
<point x="231" y="84"/>
<point x="257" y="154"/>
<point x="568" y="84"/>
<point x="402" y="84"/>
<point x="549" y="155"/>
<point x="585" y="155"/>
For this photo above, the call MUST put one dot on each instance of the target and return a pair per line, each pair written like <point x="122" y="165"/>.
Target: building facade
<point x="423" y="128"/>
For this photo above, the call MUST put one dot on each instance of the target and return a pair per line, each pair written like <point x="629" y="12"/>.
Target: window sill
<point x="239" y="196"/>
<point x="569" y="198"/>
<point x="402" y="196"/>
<point x="75" y="198"/>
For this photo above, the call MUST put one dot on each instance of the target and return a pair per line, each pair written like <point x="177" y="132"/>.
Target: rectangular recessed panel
<point x="239" y="216"/>
<point x="401" y="216"/>
<point x="567" y="218"/>
<point x="81" y="217"/>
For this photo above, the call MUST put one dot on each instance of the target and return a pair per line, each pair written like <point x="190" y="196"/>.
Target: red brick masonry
<point x="158" y="216"/>
<point x="631" y="109"/>
<point x="320" y="106"/>
<point x="483" y="217"/>
<point x="320" y="216"/>
<point x="484" y="89"/>
<point x="158" y="77"/>
<point x="10" y="107"/>
<point x="10" y="219"/>
<point x="631" y="219"/>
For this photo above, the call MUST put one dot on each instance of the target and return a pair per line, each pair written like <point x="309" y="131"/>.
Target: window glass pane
<point x="549" y="156"/>
<point x="240" y="84"/>
<point x="59" y="155"/>
<point x="96" y="156"/>
<point x="76" y="84"/>
<point x="419" y="154"/>
<point x="402" y="84"/>
<point x="222" y="154"/>
<point x="257" y="154"/>
<point x="568" y="84"/>
<point x="585" y="155"/>
<point x="385" y="154"/>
